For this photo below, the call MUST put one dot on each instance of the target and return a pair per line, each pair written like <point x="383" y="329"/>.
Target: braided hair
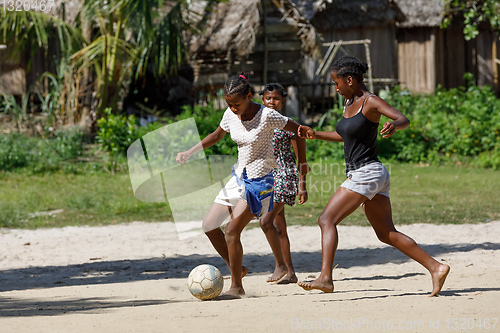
<point x="237" y="85"/>
<point x="350" y="66"/>
<point x="274" y="86"/>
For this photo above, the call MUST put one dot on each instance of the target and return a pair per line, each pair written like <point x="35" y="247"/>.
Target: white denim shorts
<point x="233" y="192"/>
<point x="369" y="180"/>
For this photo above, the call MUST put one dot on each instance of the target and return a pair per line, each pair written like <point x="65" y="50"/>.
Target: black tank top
<point x="360" y="137"/>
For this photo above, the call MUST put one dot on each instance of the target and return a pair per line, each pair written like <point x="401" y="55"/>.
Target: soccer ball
<point x="205" y="282"/>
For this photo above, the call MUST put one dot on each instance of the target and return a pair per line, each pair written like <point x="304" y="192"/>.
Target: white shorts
<point x="369" y="180"/>
<point x="232" y="193"/>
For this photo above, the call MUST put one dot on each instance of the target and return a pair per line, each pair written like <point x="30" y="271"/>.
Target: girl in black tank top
<point x="358" y="130"/>
<point x="360" y="139"/>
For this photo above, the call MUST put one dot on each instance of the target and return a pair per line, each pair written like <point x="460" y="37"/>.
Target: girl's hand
<point x="306" y="132"/>
<point x="389" y="129"/>
<point x="302" y="196"/>
<point x="182" y="157"/>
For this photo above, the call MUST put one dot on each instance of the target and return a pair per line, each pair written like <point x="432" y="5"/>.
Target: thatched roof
<point x="230" y="27"/>
<point x="309" y="8"/>
<point x="330" y="14"/>
<point x="421" y="13"/>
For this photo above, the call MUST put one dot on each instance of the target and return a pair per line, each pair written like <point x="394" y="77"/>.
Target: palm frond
<point x="24" y="30"/>
<point x="100" y="48"/>
<point x="166" y="48"/>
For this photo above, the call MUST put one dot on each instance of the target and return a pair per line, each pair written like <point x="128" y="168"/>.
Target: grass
<point x="429" y="194"/>
<point x="419" y="194"/>
<point x="95" y="199"/>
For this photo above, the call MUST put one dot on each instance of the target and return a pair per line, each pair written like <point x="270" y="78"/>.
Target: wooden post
<point x="496" y="62"/>
<point x="2" y="47"/>
<point x="266" y="51"/>
<point x="433" y="69"/>
<point x="331" y="53"/>
<point x="369" y="62"/>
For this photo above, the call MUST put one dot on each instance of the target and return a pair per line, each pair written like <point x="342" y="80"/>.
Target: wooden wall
<point x="275" y="58"/>
<point x="428" y="57"/>
<point x="12" y="75"/>
<point x="278" y="50"/>
<point x="416" y="59"/>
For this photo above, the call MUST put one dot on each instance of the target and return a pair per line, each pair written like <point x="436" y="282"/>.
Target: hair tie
<point x="242" y="76"/>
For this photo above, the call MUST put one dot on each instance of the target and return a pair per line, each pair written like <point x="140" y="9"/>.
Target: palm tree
<point x="26" y="32"/>
<point x="126" y="38"/>
<point x="129" y="37"/>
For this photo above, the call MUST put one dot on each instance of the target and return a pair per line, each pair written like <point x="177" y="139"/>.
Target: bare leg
<point x="342" y="203"/>
<point x="280" y="224"/>
<point x="266" y="224"/>
<point x="379" y="213"/>
<point x="242" y="216"/>
<point x="211" y="225"/>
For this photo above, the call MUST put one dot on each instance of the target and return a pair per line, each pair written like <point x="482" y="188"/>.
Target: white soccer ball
<point x="205" y="282"/>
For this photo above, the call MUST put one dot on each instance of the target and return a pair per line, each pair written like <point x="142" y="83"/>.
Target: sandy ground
<point x="132" y="278"/>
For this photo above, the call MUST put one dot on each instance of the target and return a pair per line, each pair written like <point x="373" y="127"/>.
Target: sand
<point x="132" y="278"/>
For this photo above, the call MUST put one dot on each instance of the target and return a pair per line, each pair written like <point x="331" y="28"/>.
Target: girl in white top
<point x="251" y="126"/>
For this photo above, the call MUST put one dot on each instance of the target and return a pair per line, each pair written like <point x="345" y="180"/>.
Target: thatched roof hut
<point x="429" y="56"/>
<point x="231" y="27"/>
<point x="267" y="38"/>
<point x="326" y="15"/>
<point x="420" y="13"/>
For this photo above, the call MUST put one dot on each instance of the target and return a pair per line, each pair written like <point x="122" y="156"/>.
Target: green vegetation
<point x="419" y="194"/>
<point x="459" y="125"/>
<point x="86" y="199"/>
<point x="474" y="13"/>
<point x="41" y="155"/>
<point x="116" y="41"/>
<point x="443" y="168"/>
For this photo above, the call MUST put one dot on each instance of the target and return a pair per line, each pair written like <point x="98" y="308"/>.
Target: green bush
<point x="20" y="151"/>
<point x="116" y="132"/>
<point x="16" y="151"/>
<point x="207" y="120"/>
<point x="461" y="124"/>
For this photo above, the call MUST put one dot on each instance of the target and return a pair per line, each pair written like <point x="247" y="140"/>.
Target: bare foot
<point x="326" y="287"/>
<point x="235" y="292"/>
<point x="279" y="273"/>
<point x="438" y="278"/>
<point x="287" y="279"/>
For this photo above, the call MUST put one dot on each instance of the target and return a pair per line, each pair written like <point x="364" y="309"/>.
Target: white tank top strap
<point x="361" y="108"/>
<point x="347" y="102"/>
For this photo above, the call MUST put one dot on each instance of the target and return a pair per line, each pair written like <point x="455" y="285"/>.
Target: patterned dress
<point x="286" y="176"/>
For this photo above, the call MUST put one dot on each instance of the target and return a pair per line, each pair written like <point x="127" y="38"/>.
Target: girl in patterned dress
<point x="248" y="193"/>
<point x="286" y="187"/>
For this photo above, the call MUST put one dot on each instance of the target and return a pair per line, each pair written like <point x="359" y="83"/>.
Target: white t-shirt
<point x="254" y="138"/>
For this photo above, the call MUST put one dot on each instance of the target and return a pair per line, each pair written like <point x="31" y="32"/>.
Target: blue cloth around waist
<point x="256" y="190"/>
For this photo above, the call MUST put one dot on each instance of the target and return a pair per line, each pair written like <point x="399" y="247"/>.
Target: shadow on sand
<point x="101" y="272"/>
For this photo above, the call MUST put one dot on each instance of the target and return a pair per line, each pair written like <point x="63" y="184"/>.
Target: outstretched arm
<point x="308" y="133"/>
<point x="207" y="142"/>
